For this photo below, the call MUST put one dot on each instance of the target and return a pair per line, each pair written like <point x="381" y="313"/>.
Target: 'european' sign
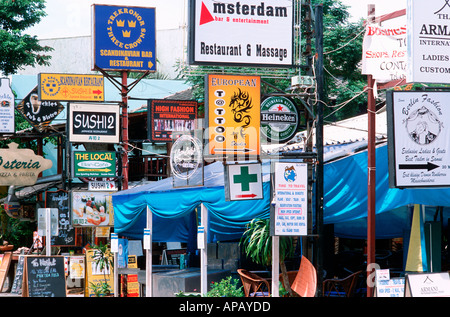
<point x="124" y="38"/>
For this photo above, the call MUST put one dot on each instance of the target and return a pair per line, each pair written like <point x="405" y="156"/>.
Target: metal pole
<point x="319" y="142"/>
<point x="204" y="253"/>
<point x="149" y="255"/>
<point x="124" y="130"/>
<point x="275" y="265"/>
<point x="371" y="175"/>
<point x="48" y="232"/>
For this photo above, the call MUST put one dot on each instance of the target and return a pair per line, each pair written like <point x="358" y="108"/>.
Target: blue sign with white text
<point x="124" y="38"/>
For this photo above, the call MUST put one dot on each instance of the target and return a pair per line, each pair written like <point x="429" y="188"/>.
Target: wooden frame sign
<point x="44" y="276"/>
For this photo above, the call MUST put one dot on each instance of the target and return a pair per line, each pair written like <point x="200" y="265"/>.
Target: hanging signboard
<point x="95" y="123"/>
<point x="243" y="182"/>
<point x="6" y="107"/>
<point x="66" y="232"/>
<point x="418" y="138"/>
<point x="290" y="201"/>
<point x="94" y="164"/>
<point x="39" y="113"/>
<point x="124" y="38"/>
<point x="92" y="208"/>
<point x="279" y="119"/>
<point x="233" y="114"/>
<point x="242" y="32"/>
<point x="21" y="166"/>
<point x="428" y="41"/>
<point x="168" y="116"/>
<point x="427" y="285"/>
<point x="384" y="51"/>
<point x="71" y="87"/>
<point x="186" y="159"/>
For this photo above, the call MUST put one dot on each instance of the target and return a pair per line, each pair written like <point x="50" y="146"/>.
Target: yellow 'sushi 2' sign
<point x="124" y="38"/>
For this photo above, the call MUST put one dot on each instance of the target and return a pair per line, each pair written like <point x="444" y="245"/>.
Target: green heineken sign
<point x="279" y="119"/>
<point x="94" y="164"/>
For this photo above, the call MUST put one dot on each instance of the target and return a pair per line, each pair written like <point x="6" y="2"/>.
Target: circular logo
<point x="423" y="126"/>
<point x="279" y="119"/>
<point x="186" y="156"/>
<point x="126" y="28"/>
<point x="51" y="86"/>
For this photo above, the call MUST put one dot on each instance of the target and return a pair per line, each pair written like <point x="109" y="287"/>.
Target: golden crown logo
<point x="120" y="23"/>
<point x="131" y="24"/>
<point x="126" y="33"/>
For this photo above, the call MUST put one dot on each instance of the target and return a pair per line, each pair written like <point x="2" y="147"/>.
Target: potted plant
<point x="104" y="262"/>
<point x="257" y="244"/>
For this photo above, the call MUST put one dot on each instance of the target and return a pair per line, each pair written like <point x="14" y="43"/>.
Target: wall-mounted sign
<point x="428" y="41"/>
<point x="243" y="182"/>
<point x="124" y="38"/>
<point x="279" y="119"/>
<point x="168" y="116"/>
<point x="71" y="87"/>
<point x="233" y="114"/>
<point x="186" y="160"/>
<point x="6" y="107"/>
<point x="92" y="208"/>
<point x="418" y="138"/>
<point x="96" y="123"/>
<point x="21" y="166"/>
<point x="290" y="199"/>
<point x="39" y="113"/>
<point x="94" y="164"/>
<point x="242" y="32"/>
<point x="384" y="51"/>
<point x="427" y="285"/>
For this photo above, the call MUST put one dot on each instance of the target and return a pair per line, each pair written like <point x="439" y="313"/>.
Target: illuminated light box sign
<point x="168" y="116"/>
<point x="124" y="38"/>
<point x="242" y="32"/>
<point x="95" y="123"/>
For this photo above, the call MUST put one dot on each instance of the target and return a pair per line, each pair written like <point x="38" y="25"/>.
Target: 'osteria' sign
<point x="21" y="166"/>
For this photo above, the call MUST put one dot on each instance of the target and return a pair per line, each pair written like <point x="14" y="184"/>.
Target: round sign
<point x="185" y="156"/>
<point x="279" y="119"/>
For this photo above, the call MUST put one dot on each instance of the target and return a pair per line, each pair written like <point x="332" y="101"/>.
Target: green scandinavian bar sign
<point x="94" y="164"/>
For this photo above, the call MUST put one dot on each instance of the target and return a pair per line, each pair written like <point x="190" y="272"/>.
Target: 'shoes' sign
<point x="96" y="123"/>
<point x="242" y="32"/>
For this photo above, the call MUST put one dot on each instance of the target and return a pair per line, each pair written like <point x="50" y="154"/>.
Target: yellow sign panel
<point x="71" y="87"/>
<point x="234" y="114"/>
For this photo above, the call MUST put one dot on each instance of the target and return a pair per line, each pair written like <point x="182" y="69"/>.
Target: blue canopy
<point x="345" y="203"/>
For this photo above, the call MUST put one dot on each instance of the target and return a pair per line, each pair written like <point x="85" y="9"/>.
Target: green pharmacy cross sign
<point x="243" y="181"/>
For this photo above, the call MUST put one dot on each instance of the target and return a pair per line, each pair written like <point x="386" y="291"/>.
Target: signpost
<point x="71" y="87"/>
<point x="233" y="114"/>
<point x="243" y="182"/>
<point x="418" y="138"/>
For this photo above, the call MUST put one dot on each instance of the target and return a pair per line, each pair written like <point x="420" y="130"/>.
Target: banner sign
<point x="71" y="87"/>
<point x="428" y="41"/>
<point x="94" y="164"/>
<point x="233" y="114"/>
<point x="418" y="138"/>
<point x="384" y="52"/>
<point x="39" y="113"/>
<point x="242" y="32"/>
<point x="95" y="123"/>
<point x="290" y="200"/>
<point x="168" y="116"/>
<point x="92" y="208"/>
<point x="124" y="38"/>
<point x="6" y="107"/>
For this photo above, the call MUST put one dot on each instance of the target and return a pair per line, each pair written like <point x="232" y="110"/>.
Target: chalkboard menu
<point x="44" y="276"/>
<point x="66" y="233"/>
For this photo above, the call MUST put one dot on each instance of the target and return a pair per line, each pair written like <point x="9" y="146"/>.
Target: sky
<point x="68" y="18"/>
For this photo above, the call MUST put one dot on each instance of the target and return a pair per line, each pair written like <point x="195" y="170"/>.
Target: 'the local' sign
<point x="418" y="138"/>
<point x="243" y="181"/>
<point x="94" y="164"/>
<point x="124" y="38"/>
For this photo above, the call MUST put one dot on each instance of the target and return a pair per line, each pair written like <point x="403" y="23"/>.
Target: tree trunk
<point x="285" y="278"/>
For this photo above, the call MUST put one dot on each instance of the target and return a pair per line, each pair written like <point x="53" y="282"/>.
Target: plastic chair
<point x="304" y="281"/>
<point x="344" y="287"/>
<point x="253" y="284"/>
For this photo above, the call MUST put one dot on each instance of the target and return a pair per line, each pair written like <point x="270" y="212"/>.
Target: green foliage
<point x="257" y="242"/>
<point x="227" y="287"/>
<point x="18" y="49"/>
<point x="104" y="261"/>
